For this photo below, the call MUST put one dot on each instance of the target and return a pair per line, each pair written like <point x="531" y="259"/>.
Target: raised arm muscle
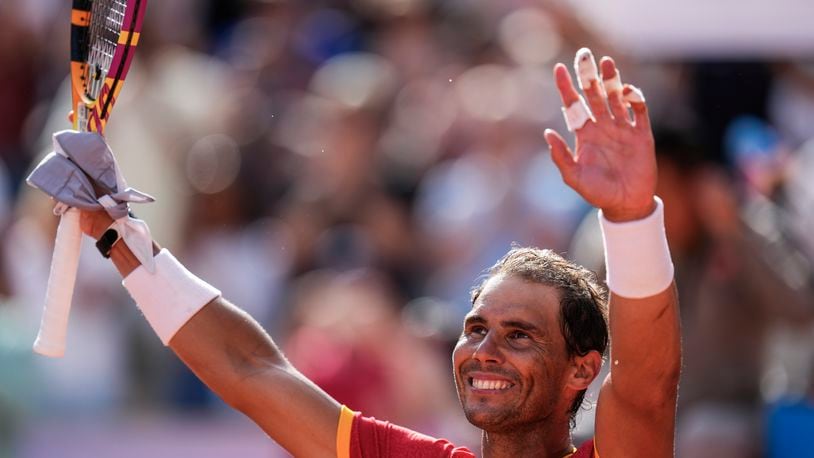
<point x="636" y="408"/>
<point x="230" y="352"/>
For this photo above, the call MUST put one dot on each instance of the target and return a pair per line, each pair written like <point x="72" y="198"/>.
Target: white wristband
<point x="637" y="258"/>
<point x="170" y="296"/>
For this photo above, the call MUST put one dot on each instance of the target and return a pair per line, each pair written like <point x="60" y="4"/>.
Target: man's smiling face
<point x="510" y="360"/>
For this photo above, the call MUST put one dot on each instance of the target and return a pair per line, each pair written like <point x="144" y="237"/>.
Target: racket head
<point x="104" y="37"/>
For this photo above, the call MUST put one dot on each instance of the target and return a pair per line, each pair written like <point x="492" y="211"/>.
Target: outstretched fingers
<point x="568" y="93"/>
<point x="588" y="75"/>
<point x="562" y="157"/>
<point x="575" y="110"/>
<point x="635" y="98"/>
<point x="612" y="82"/>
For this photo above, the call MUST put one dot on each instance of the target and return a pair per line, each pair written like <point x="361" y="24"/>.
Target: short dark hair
<point x="583" y="301"/>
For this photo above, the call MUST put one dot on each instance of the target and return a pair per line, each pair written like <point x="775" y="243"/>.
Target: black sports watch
<point x="106" y="242"/>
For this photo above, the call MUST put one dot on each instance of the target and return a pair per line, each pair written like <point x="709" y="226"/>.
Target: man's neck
<point x="536" y="442"/>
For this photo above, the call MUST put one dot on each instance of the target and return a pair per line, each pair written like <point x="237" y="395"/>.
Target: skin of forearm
<point x="225" y="346"/>
<point x="646" y="345"/>
<point x="232" y="354"/>
<point x="221" y="343"/>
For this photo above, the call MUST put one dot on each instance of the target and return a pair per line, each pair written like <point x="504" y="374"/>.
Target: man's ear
<point x="583" y="370"/>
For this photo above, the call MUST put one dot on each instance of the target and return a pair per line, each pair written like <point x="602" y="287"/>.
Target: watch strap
<point x="107" y="240"/>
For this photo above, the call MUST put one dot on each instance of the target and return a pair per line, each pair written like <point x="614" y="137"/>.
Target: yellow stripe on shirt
<point x="343" y="430"/>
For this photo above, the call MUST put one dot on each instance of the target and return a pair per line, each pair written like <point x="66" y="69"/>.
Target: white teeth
<point x="490" y="384"/>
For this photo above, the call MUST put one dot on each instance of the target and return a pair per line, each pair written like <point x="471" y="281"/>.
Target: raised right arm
<point x="230" y="352"/>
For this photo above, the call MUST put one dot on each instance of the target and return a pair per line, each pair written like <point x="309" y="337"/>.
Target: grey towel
<point x="79" y="161"/>
<point x="82" y="167"/>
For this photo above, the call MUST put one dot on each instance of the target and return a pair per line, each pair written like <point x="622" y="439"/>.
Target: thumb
<point x="561" y="155"/>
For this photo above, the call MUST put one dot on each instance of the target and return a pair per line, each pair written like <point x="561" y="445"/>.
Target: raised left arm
<point x="614" y="168"/>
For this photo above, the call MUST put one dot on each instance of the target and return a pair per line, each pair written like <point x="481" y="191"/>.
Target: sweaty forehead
<point x="511" y="297"/>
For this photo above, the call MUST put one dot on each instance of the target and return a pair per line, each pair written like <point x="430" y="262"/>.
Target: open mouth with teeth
<point x="489" y="385"/>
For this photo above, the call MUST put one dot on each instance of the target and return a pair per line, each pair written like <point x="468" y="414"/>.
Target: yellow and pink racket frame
<point x="99" y="109"/>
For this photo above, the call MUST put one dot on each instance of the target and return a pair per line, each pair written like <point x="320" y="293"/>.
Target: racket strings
<point x="107" y="17"/>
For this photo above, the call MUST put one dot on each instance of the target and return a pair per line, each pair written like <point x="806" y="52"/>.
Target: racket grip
<point x="64" y="263"/>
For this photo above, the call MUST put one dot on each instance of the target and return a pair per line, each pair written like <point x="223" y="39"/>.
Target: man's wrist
<point x="638" y="212"/>
<point x="124" y="259"/>
<point x="637" y="257"/>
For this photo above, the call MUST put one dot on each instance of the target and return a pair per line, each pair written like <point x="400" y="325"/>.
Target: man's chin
<point x="489" y="418"/>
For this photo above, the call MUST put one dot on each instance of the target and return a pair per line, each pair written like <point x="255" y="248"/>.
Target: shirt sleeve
<point x="365" y="437"/>
<point x="586" y="450"/>
<point x="343" y="431"/>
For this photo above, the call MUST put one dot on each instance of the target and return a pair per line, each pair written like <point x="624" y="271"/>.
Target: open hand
<point x="614" y="167"/>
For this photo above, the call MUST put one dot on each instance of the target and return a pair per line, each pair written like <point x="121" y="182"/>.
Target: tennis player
<point x="531" y="344"/>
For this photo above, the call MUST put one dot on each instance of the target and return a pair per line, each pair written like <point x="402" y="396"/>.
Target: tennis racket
<point x="104" y="36"/>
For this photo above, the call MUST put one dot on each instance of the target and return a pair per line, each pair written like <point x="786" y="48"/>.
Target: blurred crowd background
<point x="345" y="171"/>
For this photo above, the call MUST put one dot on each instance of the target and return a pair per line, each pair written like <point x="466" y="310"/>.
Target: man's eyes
<point x="479" y="330"/>
<point x="519" y="335"/>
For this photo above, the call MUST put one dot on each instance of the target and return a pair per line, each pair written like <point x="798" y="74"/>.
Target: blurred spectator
<point x="789" y="422"/>
<point x="791" y="101"/>
<point x="348" y="338"/>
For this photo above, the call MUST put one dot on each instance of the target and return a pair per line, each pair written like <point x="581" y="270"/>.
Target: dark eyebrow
<point x="473" y="319"/>
<point x="523" y="325"/>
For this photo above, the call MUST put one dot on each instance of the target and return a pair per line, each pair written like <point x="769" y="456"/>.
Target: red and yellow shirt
<point x="365" y="437"/>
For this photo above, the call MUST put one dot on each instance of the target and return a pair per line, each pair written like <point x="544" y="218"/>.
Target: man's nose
<point x="488" y="350"/>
